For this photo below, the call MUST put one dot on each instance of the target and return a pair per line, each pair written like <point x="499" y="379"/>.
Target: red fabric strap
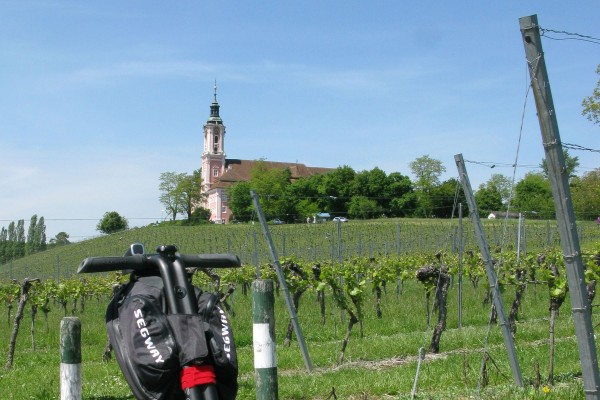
<point x="195" y="375"/>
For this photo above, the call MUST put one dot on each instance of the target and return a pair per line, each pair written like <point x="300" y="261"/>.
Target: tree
<point x="585" y="192"/>
<point x="61" y="239"/>
<point x="304" y="194"/>
<point x="445" y="198"/>
<point x="189" y="190"/>
<point x="20" y="239"/>
<point x="3" y="245"/>
<point x="533" y="194"/>
<point x="488" y="199"/>
<point x="591" y="104"/>
<point x="112" y="222"/>
<point x="306" y="208"/>
<point x="39" y="236"/>
<point x="398" y="195"/>
<point x="363" y="208"/>
<point x="36" y="235"/>
<point x="571" y="164"/>
<point x="240" y="201"/>
<point x="427" y="172"/>
<point x="271" y="186"/>
<point x="14" y="243"/>
<point x="494" y="194"/>
<point x="503" y="185"/>
<point x="369" y="184"/>
<point x="336" y="189"/>
<point x="200" y="216"/>
<point x="11" y="242"/>
<point x="171" y="196"/>
<point x="30" y="247"/>
<point x="403" y="206"/>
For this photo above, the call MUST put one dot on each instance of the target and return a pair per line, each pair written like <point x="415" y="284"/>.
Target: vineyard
<point x="369" y="297"/>
<point x="307" y="242"/>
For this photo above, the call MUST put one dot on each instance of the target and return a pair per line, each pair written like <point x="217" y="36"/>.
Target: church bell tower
<point x="213" y="155"/>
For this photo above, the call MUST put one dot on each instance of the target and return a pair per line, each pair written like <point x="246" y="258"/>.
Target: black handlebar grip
<point x="135" y="262"/>
<point x="210" y="260"/>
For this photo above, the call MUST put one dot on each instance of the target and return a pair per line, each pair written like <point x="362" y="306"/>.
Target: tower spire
<point x="214" y="110"/>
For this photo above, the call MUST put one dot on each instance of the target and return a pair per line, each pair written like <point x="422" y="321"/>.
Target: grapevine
<point x="348" y="282"/>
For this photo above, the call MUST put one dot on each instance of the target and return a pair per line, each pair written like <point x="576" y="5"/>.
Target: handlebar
<point x="140" y="262"/>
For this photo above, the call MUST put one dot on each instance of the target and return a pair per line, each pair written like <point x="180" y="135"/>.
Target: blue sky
<point x="99" y="98"/>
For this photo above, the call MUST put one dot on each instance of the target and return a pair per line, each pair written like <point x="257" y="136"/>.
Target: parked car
<point x="340" y="219"/>
<point x="277" y="221"/>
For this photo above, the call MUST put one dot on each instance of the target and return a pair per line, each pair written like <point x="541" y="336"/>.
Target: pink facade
<point x="219" y="173"/>
<point x="213" y="164"/>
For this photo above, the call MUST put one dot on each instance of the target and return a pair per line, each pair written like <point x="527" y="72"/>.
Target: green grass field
<point x="381" y="365"/>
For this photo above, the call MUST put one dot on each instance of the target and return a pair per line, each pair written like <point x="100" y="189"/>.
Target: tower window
<point x="216" y="171"/>
<point x="216" y="144"/>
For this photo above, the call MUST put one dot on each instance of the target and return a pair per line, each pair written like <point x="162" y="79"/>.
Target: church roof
<point x="239" y="171"/>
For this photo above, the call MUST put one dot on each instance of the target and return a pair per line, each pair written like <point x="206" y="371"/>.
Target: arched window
<point x="216" y="144"/>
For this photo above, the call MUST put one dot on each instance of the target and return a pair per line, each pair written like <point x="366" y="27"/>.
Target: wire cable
<point x="573" y="36"/>
<point x="504" y="235"/>
<point x="578" y="147"/>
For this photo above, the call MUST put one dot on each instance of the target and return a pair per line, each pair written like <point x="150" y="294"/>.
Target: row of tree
<point x="15" y="244"/>
<point x="374" y="193"/>
<point x="365" y="194"/>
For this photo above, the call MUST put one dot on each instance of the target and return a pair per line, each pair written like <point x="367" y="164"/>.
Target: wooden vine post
<point x="70" y="359"/>
<point x="263" y="338"/>
<point x="565" y="216"/>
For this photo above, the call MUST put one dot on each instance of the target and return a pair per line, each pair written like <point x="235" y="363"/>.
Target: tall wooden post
<point x="565" y="217"/>
<point x="263" y="338"/>
<point x="491" y="274"/>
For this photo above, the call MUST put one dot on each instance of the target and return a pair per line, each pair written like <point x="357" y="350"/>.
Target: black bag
<point x="151" y="346"/>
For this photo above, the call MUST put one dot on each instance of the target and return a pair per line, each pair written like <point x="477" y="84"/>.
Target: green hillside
<point x="305" y="241"/>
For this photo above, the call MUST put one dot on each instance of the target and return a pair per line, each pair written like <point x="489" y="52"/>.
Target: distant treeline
<point x="15" y="244"/>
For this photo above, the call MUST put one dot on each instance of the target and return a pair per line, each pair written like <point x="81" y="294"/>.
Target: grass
<point x="381" y="365"/>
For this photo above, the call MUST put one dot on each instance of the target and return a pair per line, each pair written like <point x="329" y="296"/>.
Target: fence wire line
<point x="577" y="36"/>
<point x="579" y="147"/>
